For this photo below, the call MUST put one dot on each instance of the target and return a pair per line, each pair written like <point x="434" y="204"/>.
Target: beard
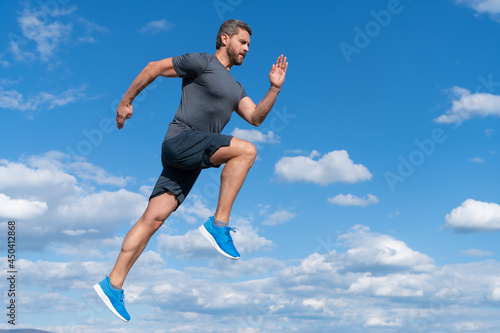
<point x="234" y="56"/>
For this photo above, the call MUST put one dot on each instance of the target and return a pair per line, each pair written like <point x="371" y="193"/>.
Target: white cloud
<point x="56" y="202"/>
<point x="476" y="160"/>
<point x="90" y="247"/>
<point x="79" y="167"/>
<point x="494" y="293"/>
<point x="192" y="244"/>
<point x="156" y="27"/>
<point x="18" y="209"/>
<point x="397" y="285"/>
<point x="89" y="29"/>
<point x="4" y="62"/>
<point x="99" y="209"/>
<point x="255" y="136"/>
<point x="220" y="268"/>
<point x="52" y="170"/>
<point x="352" y="200"/>
<point x="473" y="215"/>
<point x="491" y="7"/>
<point x="320" y="293"/>
<point x="489" y="132"/>
<point x="370" y="251"/>
<point x="12" y="99"/>
<point x="380" y="322"/>
<point x="78" y="232"/>
<point x="47" y="35"/>
<point x="279" y="217"/>
<point x="470" y="105"/>
<point x="295" y="152"/>
<point x="21" y="179"/>
<point x="335" y="166"/>
<point x="193" y="210"/>
<point x="469" y="327"/>
<point x="476" y="253"/>
<point x="9" y="82"/>
<point x="393" y="214"/>
<point x="49" y="28"/>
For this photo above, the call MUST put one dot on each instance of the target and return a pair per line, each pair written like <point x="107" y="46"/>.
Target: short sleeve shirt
<point x="210" y="93"/>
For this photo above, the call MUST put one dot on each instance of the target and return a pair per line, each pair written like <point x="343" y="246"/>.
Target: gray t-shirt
<point x="210" y="94"/>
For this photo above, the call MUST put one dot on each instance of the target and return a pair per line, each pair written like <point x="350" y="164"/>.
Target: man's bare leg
<point x="239" y="157"/>
<point x="159" y="208"/>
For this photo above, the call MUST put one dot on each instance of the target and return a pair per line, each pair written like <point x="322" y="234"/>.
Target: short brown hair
<point x="230" y="28"/>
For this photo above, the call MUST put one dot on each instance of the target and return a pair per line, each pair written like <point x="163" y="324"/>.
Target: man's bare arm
<point x="154" y="69"/>
<point x="256" y="114"/>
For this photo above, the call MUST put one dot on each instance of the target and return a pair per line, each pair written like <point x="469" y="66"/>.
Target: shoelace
<point x="227" y="233"/>
<point x="122" y="296"/>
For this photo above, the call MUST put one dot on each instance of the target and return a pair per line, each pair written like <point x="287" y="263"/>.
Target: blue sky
<point x="373" y="205"/>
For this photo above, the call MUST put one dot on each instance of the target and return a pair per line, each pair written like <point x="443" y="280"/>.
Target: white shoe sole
<point x="106" y="301"/>
<point x="210" y="238"/>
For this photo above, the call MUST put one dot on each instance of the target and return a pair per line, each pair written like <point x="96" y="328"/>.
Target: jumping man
<point x="194" y="142"/>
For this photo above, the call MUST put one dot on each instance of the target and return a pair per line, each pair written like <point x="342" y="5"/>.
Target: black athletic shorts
<point x="183" y="157"/>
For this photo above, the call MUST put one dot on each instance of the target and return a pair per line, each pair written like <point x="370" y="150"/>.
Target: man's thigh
<point x="236" y="148"/>
<point x="192" y="150"/>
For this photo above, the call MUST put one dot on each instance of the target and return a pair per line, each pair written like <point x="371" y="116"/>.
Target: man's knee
<point x="153" y="222"/>
<point x="159" y="209"/>
<point x="249" y="150"/>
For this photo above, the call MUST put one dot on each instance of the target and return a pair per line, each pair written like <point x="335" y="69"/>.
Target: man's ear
<point x="224" y="39"/>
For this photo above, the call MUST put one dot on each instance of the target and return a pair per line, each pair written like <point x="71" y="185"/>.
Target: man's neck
<point x="223" y="58"/>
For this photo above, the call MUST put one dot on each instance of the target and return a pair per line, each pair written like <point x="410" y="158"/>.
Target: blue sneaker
<point x="220" y="238"/>
<point x="112" y="298"/>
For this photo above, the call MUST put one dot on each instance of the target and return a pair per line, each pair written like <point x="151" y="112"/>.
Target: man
<point x="193" y="142"/>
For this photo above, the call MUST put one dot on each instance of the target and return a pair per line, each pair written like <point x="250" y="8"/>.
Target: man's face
<point x="237" y="47"/>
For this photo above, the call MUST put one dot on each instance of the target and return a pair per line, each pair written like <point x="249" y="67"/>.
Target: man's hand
<point x="124" y="111"/>
<point x="255" y="114"/>
<point x="278" y="72"/>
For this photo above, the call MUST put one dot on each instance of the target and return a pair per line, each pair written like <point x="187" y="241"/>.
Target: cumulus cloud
<point x="57" y="199"/>
<point x="79" y="167"/>
<point x="193" y="210"/>
<point x="371" y="251"/>
<point x="54" y="170"/>
<point x="469" y="105"/>
<point x="335" y="166"/>
<point x="102" y="206"/>
<point x="397" y="285"/>
<point x="473" y="216"/>
<point x="193" y="245"/>
<point x="156" y="27"/>
<point x="279" y="217"/>
<point x="255" y="136"/>
<point x="20" y="208"/>
<point x="20" y="179"/>
<point x="352" y="200"/>
<point x="317" y="293"/>
<point x="491" y="7"/>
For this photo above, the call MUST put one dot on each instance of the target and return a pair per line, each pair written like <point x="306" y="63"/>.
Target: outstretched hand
<point x="278" y="72"/>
